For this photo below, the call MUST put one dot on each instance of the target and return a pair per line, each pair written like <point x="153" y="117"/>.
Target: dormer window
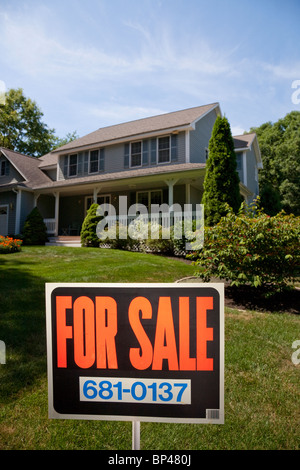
<point x="4" y="168"/>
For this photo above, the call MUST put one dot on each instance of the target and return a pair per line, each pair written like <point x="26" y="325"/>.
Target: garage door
<point x="3" y="220"/>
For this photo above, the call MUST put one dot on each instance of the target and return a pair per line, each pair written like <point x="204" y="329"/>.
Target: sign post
<point x="136" y="352"/>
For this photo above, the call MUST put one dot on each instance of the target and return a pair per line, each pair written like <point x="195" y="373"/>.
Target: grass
<point x="261" y="382"/>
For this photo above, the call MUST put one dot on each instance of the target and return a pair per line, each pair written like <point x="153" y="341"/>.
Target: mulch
<point x="262" y="300"/>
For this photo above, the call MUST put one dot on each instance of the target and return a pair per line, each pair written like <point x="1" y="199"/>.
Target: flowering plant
<point x="9" y="245"/>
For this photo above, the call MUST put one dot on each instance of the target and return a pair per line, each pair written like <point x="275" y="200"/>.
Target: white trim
<point x="157" y="149"/>
<point x="130" y="153"/>
<point x="216" y="108"/>
<point x="92" y="197"/>
<point x="187" y="147"/>
<point x="149" y="191"/>
<point x="245" y="169"/>
<point x="7" y="217"/>
<point x="18" y="211"/>
<point x="72" y="155"/>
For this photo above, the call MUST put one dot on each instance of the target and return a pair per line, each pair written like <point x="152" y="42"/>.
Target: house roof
<point x="27" y="167"/>
<point x="162" y="122"/>
<point x="119" y="175"/>
<point x="243" y="141"/>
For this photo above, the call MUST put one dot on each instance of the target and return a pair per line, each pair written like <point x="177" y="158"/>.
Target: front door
<point x="3" y="220"/>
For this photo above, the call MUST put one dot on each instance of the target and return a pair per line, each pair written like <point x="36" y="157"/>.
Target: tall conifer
<point x="221" y="183"/>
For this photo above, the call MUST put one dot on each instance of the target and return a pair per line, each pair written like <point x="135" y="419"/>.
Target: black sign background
<point x="205" y="385"/>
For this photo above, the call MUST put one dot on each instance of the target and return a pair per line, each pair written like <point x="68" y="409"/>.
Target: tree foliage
<point x="22" y="128"/>
<point x="280" y="178"/>
<point x="88" y="234"/>
<point x="34" y="231"/>
<point x="221" y="183"/>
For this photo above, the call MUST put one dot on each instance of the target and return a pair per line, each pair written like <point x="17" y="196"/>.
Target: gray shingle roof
<point x="106" y="177"/>
<point x="141" y="126"/>
<point x="28" y="167"/>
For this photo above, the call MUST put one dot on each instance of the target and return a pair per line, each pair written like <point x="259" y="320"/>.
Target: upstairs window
<point x="94" y="161"/>
<point x="4" y="168"/>
<point x="136" y="154"/>
<point x="73" y="164"/>
<point x="164" y="150"/>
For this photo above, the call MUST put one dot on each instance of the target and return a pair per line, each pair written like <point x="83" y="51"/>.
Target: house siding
<point x="115" y="157"/>
<point x="199" y="138"/>
<point x="12" y="176"/>
<point x="9" y="198"/>
<point x="251" y="166"/>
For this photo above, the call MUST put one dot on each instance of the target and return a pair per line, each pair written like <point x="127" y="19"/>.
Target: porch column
<point x="56" y="195"/>
<point x="171" y="183"/>
<point x="95" y="194"/>
<point x="35" y="200"/>
<point x="18" y="211"/>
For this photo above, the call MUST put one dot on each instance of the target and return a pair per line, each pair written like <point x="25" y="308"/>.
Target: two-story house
<point x="155" y="160"/>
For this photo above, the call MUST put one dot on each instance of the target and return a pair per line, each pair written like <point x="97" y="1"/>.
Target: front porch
<point x="64" y="209"/>
<point x="64" y="241"/>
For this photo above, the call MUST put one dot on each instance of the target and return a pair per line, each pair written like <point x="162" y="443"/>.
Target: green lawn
<point x="261" y="382"/>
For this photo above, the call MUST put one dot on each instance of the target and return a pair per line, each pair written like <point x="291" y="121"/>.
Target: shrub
<point x="252" y="248"/>
<point x="9" y="245"/>
<point x="35" y="231"/>
<point x="88" y="233"/>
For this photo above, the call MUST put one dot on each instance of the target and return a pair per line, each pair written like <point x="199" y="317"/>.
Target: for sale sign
<point x="147" y="352"/>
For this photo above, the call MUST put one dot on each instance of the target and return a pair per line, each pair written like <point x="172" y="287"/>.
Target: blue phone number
<point x="131" y="390"/>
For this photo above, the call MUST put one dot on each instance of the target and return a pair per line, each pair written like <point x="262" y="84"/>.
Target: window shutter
<point x="101" y="161"/>
<point x="126" y="156"/>
<point x="174" y="148"/>
<point x="145" y="152"/>
<point x="153" y="151"/>
<point x="85" y="163"/>
<point x="65" y="169"/>
<point x="7" y="165"/>
<point x="80" y="164"/>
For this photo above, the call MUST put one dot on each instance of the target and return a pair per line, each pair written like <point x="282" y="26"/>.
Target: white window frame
<point x="149" y="191"/>
<point x="157" y="149"/>
<point x="89" y="162"/>
<point x="131" y="154"/>
<point x="92" y="197"/>
<point x="69" y="165"/>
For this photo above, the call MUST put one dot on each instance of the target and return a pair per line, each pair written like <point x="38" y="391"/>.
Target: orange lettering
<point x="140" y="358"/>
<point x="64" y="332"/>
<point x="84" y="332"/>
<point x="165" y="334"/>
<point x="106" y="330"/>
<point x="204" y="334"/>
<point x="185" y="361"/>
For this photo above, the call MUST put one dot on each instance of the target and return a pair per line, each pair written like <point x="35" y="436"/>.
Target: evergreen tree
<point x="88" y="230"/>
<point x="221" y="183"/>
<point x="35" y="231"/>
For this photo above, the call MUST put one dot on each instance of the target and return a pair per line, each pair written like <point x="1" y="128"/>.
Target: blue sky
<point x="94" y="63"/>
